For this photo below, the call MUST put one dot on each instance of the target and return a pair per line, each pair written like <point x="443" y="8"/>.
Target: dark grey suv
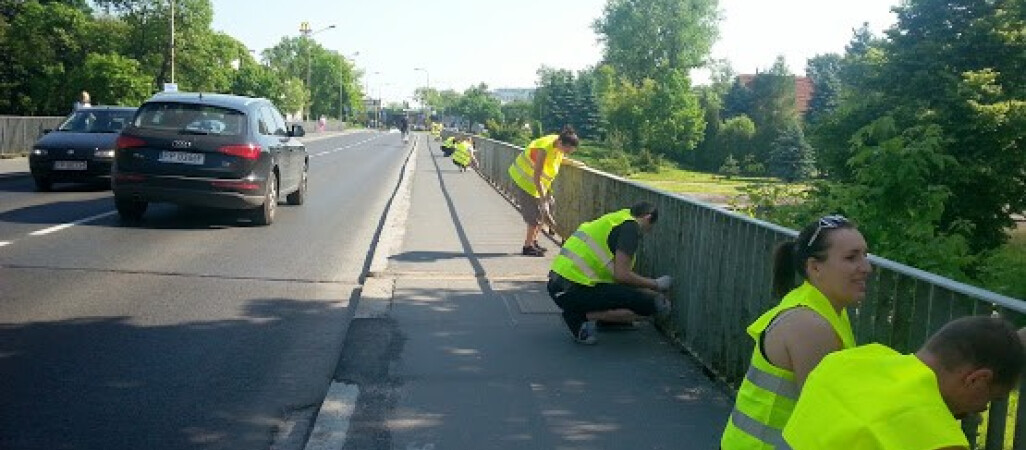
<point x="213" y="150"/>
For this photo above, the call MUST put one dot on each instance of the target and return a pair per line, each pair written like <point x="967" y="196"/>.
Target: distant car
<point x="81" y="149"/>
<point x="212" y="150"/>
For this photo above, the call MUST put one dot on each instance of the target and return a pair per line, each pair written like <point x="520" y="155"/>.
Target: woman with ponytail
<point x="831" y="259"/>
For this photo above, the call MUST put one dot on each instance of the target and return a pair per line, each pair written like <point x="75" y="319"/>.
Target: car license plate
<point x="181" y="158"/>
<point x="69" y="165"/>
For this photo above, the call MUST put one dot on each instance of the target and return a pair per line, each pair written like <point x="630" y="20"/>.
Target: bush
<point x="617" y="163"/>
<point x="647" y="161"/>
<point x="730" y="167"/>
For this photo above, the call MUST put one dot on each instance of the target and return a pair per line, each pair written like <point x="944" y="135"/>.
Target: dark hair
<point x="981" y="342"/>
<point x="790" y="257"/>
<point x="567" y="136"/>
<point x="641" y="208"/>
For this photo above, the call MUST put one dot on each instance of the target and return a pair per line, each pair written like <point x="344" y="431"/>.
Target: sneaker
<point x="587" y="334"/>
<point x="531" y="251"/>
<point x="539" y="247"/>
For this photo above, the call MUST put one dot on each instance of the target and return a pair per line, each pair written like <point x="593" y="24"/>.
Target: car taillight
<point x="245" y="151"/>
<point x="129" y="142"/>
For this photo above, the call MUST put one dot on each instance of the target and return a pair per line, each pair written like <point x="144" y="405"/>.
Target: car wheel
<point x="264" y="214"/>
<point x="130" y="210"/>
<point x="43" y="184"/>
<point x="299" y="196"/>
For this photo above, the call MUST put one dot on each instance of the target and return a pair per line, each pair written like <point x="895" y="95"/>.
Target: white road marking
<point x="328" y="152"/>
<point x="333" y="419"/>
<point x="57" y="228"/>
<point x="3" y="243"/>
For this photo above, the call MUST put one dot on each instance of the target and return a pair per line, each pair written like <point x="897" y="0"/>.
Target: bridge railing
<point x="721" y="263"/>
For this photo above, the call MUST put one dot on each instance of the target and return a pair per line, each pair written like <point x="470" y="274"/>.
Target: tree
<point x="478" y="106"/>
<point x="791" y="158"/>
<point x="824" y="71"/>
<point x="773" y="107"/>
<point x="953" y="66"/>
<point x="644" y="39"/>
<point x="114" y="79"/>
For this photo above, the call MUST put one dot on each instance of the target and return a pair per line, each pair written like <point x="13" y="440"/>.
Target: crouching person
<point x="593" y="279"/>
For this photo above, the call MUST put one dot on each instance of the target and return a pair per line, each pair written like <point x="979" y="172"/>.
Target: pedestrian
<point x="874" y="398"/>
<point x="404" y="128"/>
<point x="449" y="146"/>
<point x="533" y="172"/>
<point x="83" y="101"/>
<point x="464" y="154"/>
<point x="831" y="257"/>
<point x="593" y="279"/>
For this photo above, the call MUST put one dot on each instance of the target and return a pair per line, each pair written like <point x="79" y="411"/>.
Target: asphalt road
<point x="192" y="330"/>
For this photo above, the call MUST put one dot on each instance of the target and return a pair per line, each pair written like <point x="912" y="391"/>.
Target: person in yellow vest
<point x="464" y="154"/>
<point x="593" y="279"/>
<point x="448" y="146"/>
<point x="533" y="172"/>
<point x="874" y="398"/>
<point x="831" y="257"/>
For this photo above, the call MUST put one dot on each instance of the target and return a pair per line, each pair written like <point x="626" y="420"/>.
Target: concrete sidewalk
<point x="481" y="358"/>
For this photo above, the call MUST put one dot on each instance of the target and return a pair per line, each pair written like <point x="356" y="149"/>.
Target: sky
<point x="462" y="43"/>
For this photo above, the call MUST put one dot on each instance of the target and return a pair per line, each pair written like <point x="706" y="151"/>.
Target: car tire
<point x="43" y="184"/>
<point x="263" y="215"/>
<point x="299" y="196"/>
<point x="130" y="210"/>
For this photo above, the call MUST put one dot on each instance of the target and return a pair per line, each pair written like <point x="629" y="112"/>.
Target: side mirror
<point x="297" y="131"/>
<point x="47" y="130"/>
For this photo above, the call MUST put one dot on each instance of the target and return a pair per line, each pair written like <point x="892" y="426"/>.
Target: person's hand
<point x="663" y="283"/>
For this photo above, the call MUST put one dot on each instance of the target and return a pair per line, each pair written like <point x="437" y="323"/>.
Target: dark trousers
<point x="577" y="300"/>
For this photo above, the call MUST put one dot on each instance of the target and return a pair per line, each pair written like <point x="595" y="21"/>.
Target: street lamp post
<point x="304" y="29"/>
<point x="427" y="87"/>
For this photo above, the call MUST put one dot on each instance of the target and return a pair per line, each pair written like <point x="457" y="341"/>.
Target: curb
<point x="374" y="301"/>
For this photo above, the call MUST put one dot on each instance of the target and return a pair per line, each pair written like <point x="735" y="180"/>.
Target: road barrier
<point x="17" y="134"/>
<point x="721" y="263"/>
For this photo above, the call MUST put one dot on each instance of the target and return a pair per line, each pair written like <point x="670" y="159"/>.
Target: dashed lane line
<point x="57" y="228"/>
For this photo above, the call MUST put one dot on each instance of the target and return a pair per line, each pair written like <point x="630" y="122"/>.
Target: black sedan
<point x="81" y="149"/>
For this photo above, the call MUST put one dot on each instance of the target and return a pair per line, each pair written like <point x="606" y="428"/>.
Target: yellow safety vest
<point x="586" y="258"/>
<point x="872" y="398"/>
<point x="522" y="169"/>
<point x="768" y="393"/>
<point x="449" y="142"/>
<point x="462" y="154"/>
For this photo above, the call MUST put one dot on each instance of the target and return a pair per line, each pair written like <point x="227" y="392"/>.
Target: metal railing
<point x="721" y="262"/>
<point x="17" y="134"/>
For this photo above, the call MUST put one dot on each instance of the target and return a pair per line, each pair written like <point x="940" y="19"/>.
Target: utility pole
<point x="304" y="29"/>
<point x="172" y="2"/>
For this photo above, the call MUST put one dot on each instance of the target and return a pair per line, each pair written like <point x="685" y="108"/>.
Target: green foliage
<point x="511" y="132"/>
<point x="751" y="166"/>
<point x="730" y="167"/>
<point x="647" y="161"/>
<point x="952" y="65"/>
<point x="1004" y="270"/>
<point x="646" y="39"/>
<point x="898" y="208"/>
<point x="565" y="99"/>
<point x="824" y="71"/>
<point x="616" y="162"/>
<point x="476" y="105"/>
<point x="115" y="80"/>
<point x="791" y="158"/>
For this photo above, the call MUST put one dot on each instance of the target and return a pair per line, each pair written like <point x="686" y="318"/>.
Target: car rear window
<point x="191" y="118"/>
<point x="90" y="120"/>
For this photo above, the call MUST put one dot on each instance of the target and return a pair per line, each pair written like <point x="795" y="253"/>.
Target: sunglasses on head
<point x="833" y="221"/>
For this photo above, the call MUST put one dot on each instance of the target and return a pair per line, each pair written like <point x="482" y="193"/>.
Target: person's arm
<point x="623" y="274"/>
<point x="807" y="338"/>
<point x="628" y="238"/>
<point x="539" y="167"/>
